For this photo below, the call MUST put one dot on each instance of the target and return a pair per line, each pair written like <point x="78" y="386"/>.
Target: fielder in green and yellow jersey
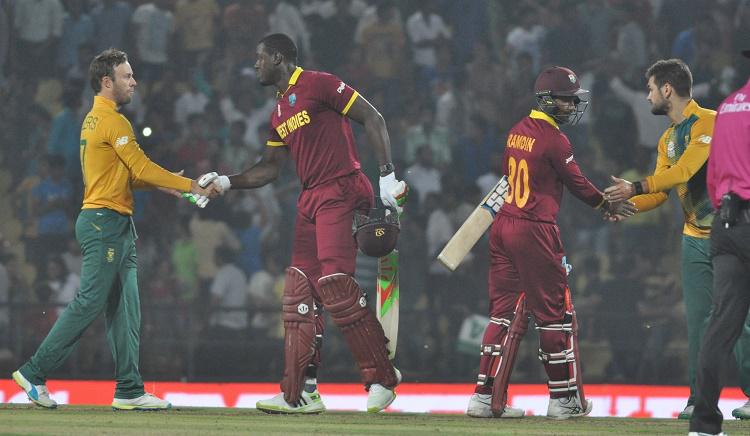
<point x="113" y="164"/>
<point x="682" y="164"/>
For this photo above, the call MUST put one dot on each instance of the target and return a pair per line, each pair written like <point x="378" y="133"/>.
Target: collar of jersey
<point x="691" y="108"/>
<point x="539" y="115"/>
<point x="292" y="80"/>
<point x="104" y="102"/>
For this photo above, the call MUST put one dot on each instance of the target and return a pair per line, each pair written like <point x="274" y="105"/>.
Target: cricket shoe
<point x="380" y="396"/>
<point x="480" y="406"/>
<point x="38" y="394"/>
<point x="742" y="412"/>
<point x="144" y="402"/>
<point x="700" y="433"/>
<point x="564" y="408"/>
<point x="308" y="403"/>
<point x="687" y="412"/>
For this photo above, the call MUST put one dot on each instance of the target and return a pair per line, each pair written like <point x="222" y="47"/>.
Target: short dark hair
<point x="280" y="43"/>
<point x="672" y="71"/>
<point x="104" y="65"/>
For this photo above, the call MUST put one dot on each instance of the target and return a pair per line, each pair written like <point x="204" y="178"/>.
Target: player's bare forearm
<point x="262" y="173"/>
<point x="377" y="132"/>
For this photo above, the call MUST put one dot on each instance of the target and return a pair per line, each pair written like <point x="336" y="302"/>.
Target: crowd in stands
<point x="450" y="78"/>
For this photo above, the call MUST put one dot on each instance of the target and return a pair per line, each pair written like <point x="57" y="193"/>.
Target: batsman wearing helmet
<point x="311" y="123"/>
<point x="528" y="273"/>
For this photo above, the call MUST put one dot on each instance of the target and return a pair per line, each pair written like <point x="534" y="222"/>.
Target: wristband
<point x="386" y="169"/>
<point x="638" y="188"/>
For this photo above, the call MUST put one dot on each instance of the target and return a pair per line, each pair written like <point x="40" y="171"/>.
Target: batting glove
<point x="222" y="182"/>
<point x="393" y="192"/>
<point x="196" y="199"/>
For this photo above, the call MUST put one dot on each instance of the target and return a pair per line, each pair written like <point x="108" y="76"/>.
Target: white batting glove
<point x="222" y="182"/>
<point x="196" y="199"/>
<point x="393" y="192"/>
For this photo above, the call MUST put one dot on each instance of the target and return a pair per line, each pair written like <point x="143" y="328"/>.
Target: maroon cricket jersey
<point x="310" y="119"/>
<point x="538" y="161"/>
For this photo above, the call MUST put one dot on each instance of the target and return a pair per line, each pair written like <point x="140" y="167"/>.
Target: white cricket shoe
<point x="480" y="406"/>
<point x="564" y="408"/>
<point x="699" y="433"/>
<point x="309" y="403"/>
<point x="38" y="394"/>
<point x="380" y="396"/>
<point x="144" y="402"/>
<point x="742" y="412"/>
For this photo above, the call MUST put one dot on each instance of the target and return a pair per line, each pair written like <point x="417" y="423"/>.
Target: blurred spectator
<point x="235" y="154"/>
<point x="631" y="42"/>
<point x="526" y="38"/>
<point x="78" y="30"/>
<point x="195" y="146"/>
<point x="245" y="22"/>
<point x="331" y="51"/>
<point x="50" y="202"/>
<point x="427" y="31"/>
<point x="649" y="127"/>
<point x="423" y="130"/>
<point x="5" y="35"/>
<point x="384" y="47"/>
<point x="208" y="233"/>
<point x="62" y="282"/>
<point x="153" y="27"/>
<point x="71" y="257"/>
<point x="422" y="177"/>
<point x="65" y="134"/>
<point x="286" y="18"/>
<point x="184" y="258"/>
<point x="228" y="323"/>
<point x="38" y="25"/>
<point x="111" y="21"/>
<point x="265" y="290"/>
<point x="191" y="101"/>
<point x="195" y="26"/>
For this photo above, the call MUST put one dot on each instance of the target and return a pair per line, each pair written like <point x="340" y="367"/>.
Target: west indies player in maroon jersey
<point x="311" y="123"/>
<point x="528" y="274"/>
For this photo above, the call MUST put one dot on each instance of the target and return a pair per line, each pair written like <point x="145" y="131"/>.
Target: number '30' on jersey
<point x="539" y="161"/>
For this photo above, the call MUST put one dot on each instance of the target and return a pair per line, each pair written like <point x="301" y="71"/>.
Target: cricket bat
<point x="474" y="227"/>
<point x="387" y="307"/>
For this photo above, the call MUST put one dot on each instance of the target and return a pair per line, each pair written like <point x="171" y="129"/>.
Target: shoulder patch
<point x="569" y="160"/>
<point x="122" y="140"/>
<point x="704" y="139"/>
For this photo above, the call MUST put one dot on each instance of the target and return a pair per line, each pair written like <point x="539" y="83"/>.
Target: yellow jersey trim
<point x="292" y="81"/>
<point x="274" y="144"/>
<point x="539" y="115"/>
<point x="351" y="102"/>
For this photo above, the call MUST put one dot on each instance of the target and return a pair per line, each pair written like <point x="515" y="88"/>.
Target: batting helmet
<point x="560" y="83"/>
<point x="376" y="230"/>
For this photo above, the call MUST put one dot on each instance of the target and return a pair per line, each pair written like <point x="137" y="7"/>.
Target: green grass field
<point x="79" y="420"/>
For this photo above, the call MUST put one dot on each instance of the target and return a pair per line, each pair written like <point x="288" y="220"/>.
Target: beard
<point x="660" y="108"/>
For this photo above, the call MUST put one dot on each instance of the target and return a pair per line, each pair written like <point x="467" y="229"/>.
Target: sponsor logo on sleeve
<point x="122" y="140"/>
<point x="704" y="139"/>
<point x="341" y="87"/>
<point x="569" y="160"/>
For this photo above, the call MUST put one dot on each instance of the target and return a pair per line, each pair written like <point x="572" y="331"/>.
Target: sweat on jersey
<point x="539" y="161"/>
<point x="681" y="162"/>
<point x="310" y="119"/>
<point x="113" y="163"/>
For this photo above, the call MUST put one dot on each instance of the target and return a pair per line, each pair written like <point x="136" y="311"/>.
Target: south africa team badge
<point x="292" y="99"/>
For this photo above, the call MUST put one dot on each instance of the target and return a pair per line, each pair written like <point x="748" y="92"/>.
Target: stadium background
<point x="448" y="95"/>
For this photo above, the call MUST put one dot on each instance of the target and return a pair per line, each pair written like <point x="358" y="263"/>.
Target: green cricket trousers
<point x="697" y="285"/>
<point x="109" y="284"/>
